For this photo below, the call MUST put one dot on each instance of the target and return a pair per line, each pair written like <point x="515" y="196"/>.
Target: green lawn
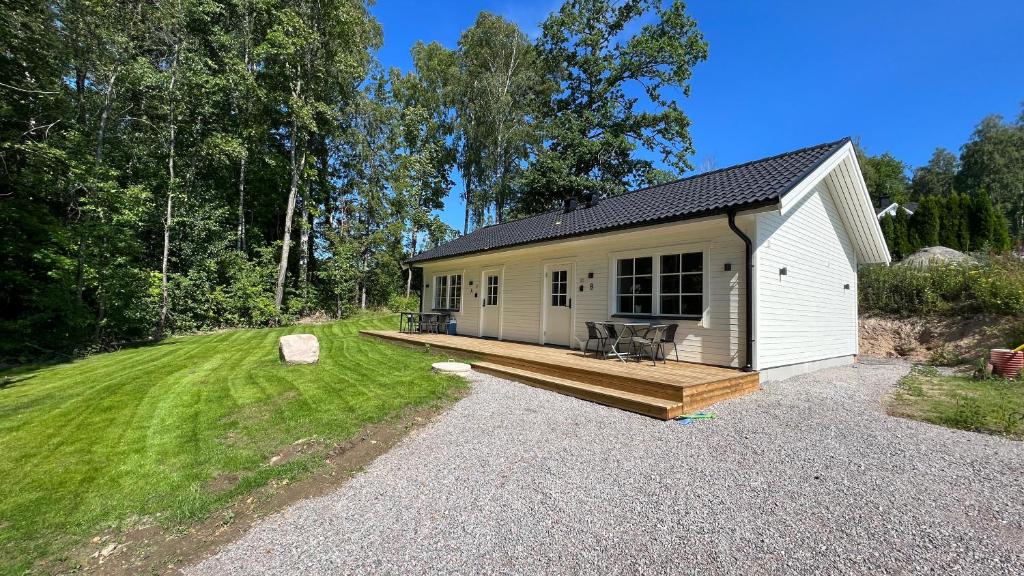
<point x="993" y="405"/>
<point x="85" y="446"/>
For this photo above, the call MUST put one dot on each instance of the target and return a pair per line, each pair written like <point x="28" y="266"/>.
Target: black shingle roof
<point x="746" y="185"/>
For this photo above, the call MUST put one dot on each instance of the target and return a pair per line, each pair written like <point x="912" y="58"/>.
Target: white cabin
<point x="669" y="254"/>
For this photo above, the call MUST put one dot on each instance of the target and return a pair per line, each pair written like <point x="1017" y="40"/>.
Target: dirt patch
<point x="944" y="340"/>
<point x="149" y="548"/>
<point x="222" y="483"/>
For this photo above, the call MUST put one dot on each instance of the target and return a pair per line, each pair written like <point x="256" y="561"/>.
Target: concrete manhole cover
<point x="451" y="367"/>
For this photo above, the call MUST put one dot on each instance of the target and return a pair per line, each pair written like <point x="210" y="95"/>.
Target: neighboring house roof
<point x="753" y="184"/>
<point x="909" y="208"/>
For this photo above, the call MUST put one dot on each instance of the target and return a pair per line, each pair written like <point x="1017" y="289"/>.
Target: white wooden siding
<point x="807" y="314"/>
<point x="718" y="339"/>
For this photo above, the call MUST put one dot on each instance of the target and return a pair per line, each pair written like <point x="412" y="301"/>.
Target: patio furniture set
<point x="622" y="340"/>
<point x="630" y="340"/>
<point x="423" y="322"/>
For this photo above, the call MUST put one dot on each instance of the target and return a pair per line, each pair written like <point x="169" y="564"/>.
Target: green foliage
<point x="400" y="303"/>
<point x="144" y="431"/>
<point x="593" y="126"/>
<point x="993" y="161"/>
<point x="994" y="286"/>
<point x="937" y="177"/>
<point x="885" y="176"/>
<point x="954" y="220"/>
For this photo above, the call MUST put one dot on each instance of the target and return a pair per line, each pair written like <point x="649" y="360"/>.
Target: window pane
<point x="693" y="262"/>
<point x="644" y="265"/>
<point x="642" y="304"/>
<point x="670" y="305"/>
<point x="670" y="284"/>
<point x="643" y="285"/>
<point x="626" y="267"/>
<point x="693" y="283"/>
<point x="692" y="305"/>
<point x="625" y="286"/>
<point x="562" y="300"/>
<point x="670" y="264"/>
<point x="625" y="305"/>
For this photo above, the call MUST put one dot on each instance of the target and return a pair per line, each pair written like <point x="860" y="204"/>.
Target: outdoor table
<point x="427" y="321"/>
<point x="629" y="329"/>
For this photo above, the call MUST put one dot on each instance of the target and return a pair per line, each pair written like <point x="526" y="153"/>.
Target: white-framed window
<point x="491" y="298"/>
<point x="666" y="284"/>
<point x="448" y="292"/>
<point x="634" y="281"/>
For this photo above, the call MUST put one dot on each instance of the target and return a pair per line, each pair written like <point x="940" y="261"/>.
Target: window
<point x="662" y="285"/>
<point x="682" y="284"/>
<point x="491" y="298"/>
<point x="634" y="280"/>
<point x="447" y="292"/>
<point x="440" y="292"/>
<point x="454" y="291"/>
<point x="560" y="288"/>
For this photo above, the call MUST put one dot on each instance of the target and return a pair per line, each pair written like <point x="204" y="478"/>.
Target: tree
<point x="422" y="173"/>
<point x="504" y="83"/>
<point x="314" y="53"/>
<point x="936" y="177"/>
<point x="993" y="160"/>
<point x="885" y="176"/>
<point x="927" y="221"/>
<point x="621" y="68"/>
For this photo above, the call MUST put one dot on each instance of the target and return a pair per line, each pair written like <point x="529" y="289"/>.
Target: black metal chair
<point x="594" y="333"/>
<point x="650" y="343"/>
<point x="669" y="337"/>
<point x="430" y="323"/>
<point x="412" y="322"/>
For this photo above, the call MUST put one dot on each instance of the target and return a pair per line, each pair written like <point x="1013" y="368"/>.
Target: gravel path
<point x="806" y="476"/>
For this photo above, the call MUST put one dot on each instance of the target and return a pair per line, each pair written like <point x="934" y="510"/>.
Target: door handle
<point x="570" y="302"/>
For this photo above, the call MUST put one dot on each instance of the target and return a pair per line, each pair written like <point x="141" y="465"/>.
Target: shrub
<point x="398" y="303"/>
<point x="995" y="285"/>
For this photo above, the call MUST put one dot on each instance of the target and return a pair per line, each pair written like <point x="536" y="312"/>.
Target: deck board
<point x="693" y="386"/>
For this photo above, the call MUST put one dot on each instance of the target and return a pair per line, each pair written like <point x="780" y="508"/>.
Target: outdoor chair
<point x="430" y="324"/>
<point x="412" y="322"/>
<point x="649" y="343"/>
<point x="670" y="338"/>
<point x="594" y="333"/>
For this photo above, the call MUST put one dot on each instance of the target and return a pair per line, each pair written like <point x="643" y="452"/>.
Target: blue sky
<point x="904" y="77"/>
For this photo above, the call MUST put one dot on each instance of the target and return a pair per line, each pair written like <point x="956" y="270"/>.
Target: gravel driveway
<point x="806" y="476"/>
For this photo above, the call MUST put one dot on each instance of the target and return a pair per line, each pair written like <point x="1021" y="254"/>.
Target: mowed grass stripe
<point x="143" y="431"/>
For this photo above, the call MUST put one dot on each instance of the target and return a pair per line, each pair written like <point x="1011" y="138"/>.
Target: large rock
<point x="935" y="255"/>
<point x="299" y="349"/>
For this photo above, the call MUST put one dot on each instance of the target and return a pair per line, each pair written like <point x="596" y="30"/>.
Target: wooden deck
<point x="663" y="391"/>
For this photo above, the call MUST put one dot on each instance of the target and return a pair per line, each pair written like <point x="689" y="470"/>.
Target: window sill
<point x="653" y="317"/>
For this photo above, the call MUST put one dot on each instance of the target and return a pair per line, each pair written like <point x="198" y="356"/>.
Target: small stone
<point x="109" y="549"/>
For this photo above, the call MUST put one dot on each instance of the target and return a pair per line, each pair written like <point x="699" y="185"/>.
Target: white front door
<point x="490" y="311"/>
<point x="558" y="304"/>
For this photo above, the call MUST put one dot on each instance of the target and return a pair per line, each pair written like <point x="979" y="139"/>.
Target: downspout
<point x="748" y="289"/>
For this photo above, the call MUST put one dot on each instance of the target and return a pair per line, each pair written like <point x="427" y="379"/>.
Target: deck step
<point x="639" y="403"/>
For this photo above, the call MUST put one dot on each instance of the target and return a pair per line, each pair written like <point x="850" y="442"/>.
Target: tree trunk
<point x="162" y="322"/>
<point x="412" y="248"/>
<point x="108" y="103"/>
<point x="469" y="202"/>
<point x="298" y="162"/>
<point x="304" y="254"/>
<point x="241" y="205"/>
